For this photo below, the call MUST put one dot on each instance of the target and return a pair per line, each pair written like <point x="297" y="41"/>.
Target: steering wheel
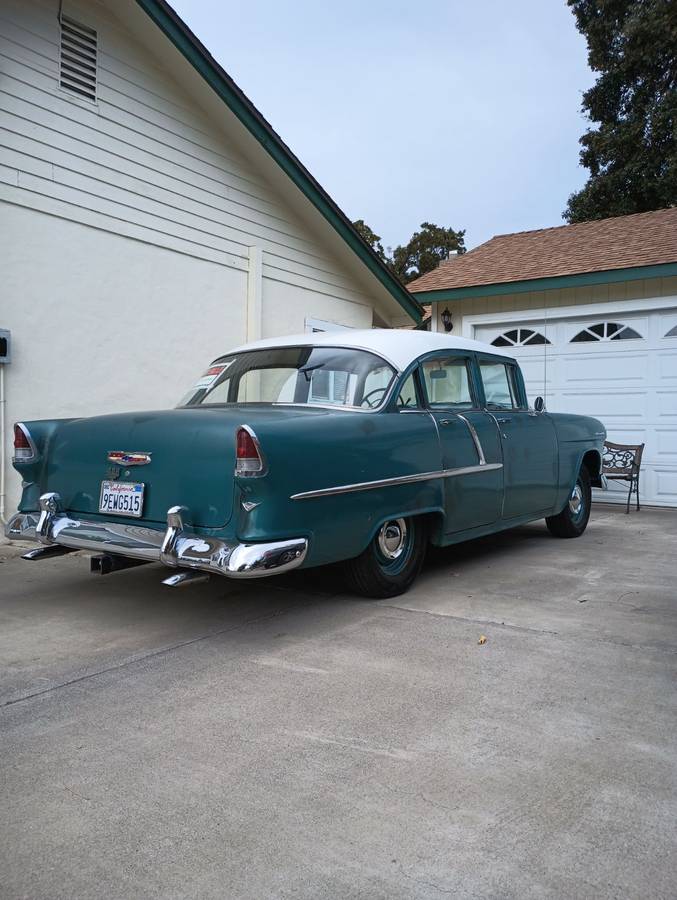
<point x="375" y="402"/>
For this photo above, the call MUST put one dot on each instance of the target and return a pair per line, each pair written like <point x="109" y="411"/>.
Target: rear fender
<point x="41" y="434"/>
<point x="433" y="514"/>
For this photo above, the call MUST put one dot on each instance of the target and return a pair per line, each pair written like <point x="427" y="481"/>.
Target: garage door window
<point x="520" y="337"/>
<point x="672" y="332"/>
<point x="606" y="331"/>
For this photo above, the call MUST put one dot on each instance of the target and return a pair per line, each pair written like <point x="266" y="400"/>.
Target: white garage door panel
<point x="665" y="322"/>
<point x="630" y="385"/>
<point x="666" y="484"/>
<point x="533" y="370"/>
<point x="619" y="406"/>
<point x="667" y="366"/>
<point x="666" y="404"/>
<point x="666" y="441"/>
<point x="617" y="367"/>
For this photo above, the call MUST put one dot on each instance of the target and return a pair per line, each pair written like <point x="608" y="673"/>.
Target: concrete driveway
<point x="282" y="739"/>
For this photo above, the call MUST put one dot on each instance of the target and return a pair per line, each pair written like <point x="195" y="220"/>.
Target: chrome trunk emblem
<point x="127" y="458"/>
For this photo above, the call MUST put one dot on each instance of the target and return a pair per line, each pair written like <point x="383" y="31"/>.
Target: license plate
<point x="121" y="498"/>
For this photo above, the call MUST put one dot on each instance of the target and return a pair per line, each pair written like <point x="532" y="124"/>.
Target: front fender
<point x="581" y="442"/>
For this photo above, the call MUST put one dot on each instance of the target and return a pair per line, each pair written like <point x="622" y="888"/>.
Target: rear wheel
<point x="573" y="519"/>
<point x="392" y="560"/>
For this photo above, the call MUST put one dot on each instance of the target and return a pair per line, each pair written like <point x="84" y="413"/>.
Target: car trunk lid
<point x="191" y="452"/>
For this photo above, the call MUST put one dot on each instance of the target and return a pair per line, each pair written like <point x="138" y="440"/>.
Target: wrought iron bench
<point x="622" y="462"/>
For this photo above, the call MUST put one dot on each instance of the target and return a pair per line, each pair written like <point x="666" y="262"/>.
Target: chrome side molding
<point x="400" y="479"/>
<point x="476" y="439"/>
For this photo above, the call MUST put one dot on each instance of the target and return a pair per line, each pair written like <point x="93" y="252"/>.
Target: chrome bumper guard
<point x="174" y="547"/>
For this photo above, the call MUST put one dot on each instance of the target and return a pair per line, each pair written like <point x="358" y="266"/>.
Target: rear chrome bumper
<point x="174" y="547"/>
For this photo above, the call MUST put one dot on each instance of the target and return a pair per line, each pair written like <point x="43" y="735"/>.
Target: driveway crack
<point x="151" y="655"/>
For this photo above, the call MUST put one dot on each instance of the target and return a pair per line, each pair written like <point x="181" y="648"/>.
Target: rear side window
<point x="500" y="385"/>
<point x="447" y="382"/>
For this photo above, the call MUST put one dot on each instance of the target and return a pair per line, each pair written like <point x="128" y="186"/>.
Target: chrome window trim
<point x="399" y="479"/>
<point x="337" y="346"/>
<point x="384" y="402"/>
<point x="330" y="406"/>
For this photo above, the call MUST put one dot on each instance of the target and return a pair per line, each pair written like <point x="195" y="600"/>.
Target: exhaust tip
<point x="186" y="577"/>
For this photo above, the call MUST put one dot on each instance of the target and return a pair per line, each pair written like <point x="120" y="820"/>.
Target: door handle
<point x="503" y="421"/>
<point x="445" y="421"/>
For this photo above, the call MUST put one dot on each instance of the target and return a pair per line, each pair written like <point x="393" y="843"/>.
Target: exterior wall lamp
<point x="445" y="316"/>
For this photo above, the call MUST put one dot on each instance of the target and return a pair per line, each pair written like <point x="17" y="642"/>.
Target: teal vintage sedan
<point x="353" y="447"/>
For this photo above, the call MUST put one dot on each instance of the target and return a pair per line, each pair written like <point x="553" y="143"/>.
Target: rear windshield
<point x="313" y="376"/>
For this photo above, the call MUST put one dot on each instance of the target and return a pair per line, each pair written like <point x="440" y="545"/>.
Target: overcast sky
<point x="463" y="114"/>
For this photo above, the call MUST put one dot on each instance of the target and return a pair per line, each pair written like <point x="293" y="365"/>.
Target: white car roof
<point x="398" y="346"/>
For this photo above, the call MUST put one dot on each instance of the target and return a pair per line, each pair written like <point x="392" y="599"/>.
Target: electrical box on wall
<point x="5" y="347"/>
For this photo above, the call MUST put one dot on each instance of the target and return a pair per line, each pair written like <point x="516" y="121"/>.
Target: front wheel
<point x="392" y="560"/>
<point x="573" y="519"/>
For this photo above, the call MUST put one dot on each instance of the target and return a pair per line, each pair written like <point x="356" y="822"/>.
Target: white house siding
<point x="134" y="232"/>
<point x="630" y="385"/>
<point x="637" y="291"/>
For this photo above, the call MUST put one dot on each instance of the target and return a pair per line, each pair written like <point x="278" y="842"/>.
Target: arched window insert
<point x="520" y="337"/>
<point x="672" y="332"/>
<point x="606" y="331"/>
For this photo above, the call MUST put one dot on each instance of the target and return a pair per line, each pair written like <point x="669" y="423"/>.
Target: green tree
<point x="632" y="153"/>
<point x="424" y="252"/>
<point x="373" y="239"/>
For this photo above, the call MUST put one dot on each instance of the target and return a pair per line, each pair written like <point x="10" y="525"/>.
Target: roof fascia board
<point x="583" y="279"/>
<point x="195" y="53"/>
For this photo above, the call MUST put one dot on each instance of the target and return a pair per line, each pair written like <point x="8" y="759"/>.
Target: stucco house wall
<point x="143" y="232"/>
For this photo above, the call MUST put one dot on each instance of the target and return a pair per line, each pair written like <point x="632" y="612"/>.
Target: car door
<point x="528" y="440"/>
<point x="471" y="450"/>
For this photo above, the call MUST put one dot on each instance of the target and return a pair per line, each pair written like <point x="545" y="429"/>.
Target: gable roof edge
<point x="197" y="55"/>
<point x="552" y="282"/>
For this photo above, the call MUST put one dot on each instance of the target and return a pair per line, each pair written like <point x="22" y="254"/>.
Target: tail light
<point x="24" y="448"/>
<point x="248" y="456"/>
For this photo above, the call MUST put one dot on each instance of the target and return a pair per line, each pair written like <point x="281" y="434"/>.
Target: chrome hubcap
<point x="576" y="500"/>
<point x="392" y="538"/>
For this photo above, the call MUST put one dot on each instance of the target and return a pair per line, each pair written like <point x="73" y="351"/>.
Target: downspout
<point x="3" y="454"/>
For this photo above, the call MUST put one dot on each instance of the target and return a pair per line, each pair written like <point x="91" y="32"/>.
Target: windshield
<point x="313" y="376"/>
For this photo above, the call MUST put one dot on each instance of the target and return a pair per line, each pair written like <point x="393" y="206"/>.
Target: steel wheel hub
<point x="392" y="538"/>
<point x="576" y="500"/>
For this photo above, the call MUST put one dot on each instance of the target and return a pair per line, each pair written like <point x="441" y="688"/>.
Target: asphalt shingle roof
<point x="642" y="239"/>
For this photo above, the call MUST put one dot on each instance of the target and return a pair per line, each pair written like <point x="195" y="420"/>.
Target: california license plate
<point x="121" y="498"/>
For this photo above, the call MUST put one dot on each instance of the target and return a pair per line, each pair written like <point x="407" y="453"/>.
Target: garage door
<point x="620" y="368"/>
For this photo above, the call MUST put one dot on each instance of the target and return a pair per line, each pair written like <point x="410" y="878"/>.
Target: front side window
<point x="447" y="382"/>
<point x="324" y="376"/>
<point x="500" y="390"/>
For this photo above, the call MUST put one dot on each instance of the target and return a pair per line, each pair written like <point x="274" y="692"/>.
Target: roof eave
<point x="197" y="55"/>
<point x="581" y="279"/>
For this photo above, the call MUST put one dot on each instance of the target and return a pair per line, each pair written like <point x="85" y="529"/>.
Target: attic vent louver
<point x="78" y="58"/>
